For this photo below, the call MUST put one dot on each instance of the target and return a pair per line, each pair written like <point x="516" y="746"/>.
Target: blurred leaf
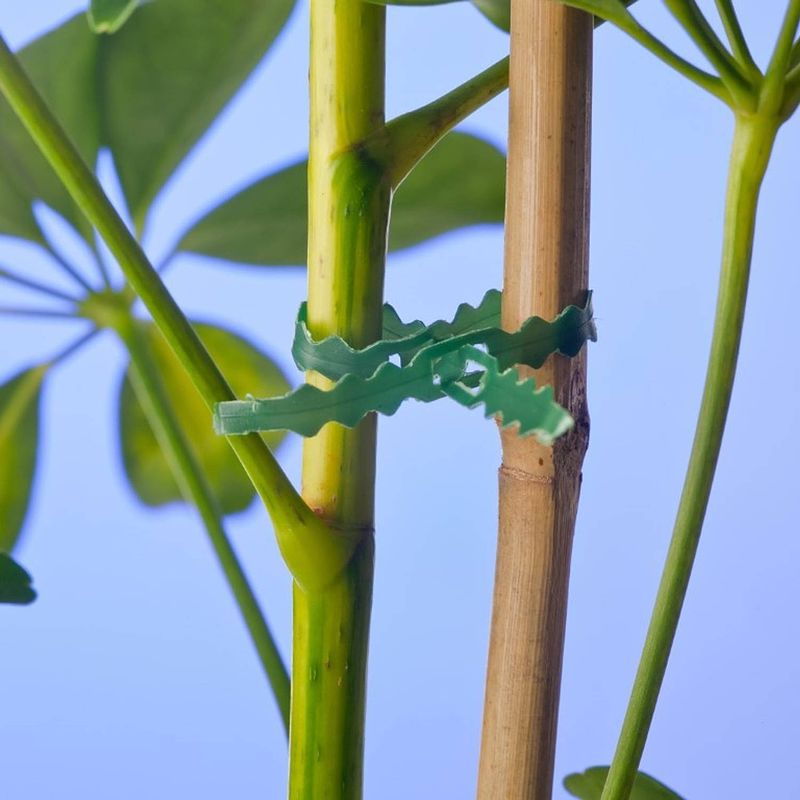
<point x="613" y="10"/>
<point x="149" y="93"/>
<point x="62" y="65"/>
<point x="264" y="224"/>
<point x="166" y="76"/>
<point x="588" y="785"/>
<point x="108" y="16"/>
<point x="460" y="182"/>
<point x="498" y="11"/>
<point x="19" y="443"/>
<point x="248" y="370"/>
<point x="15" y="583"/>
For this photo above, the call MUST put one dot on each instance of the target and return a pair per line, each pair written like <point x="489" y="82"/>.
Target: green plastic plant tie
<point x="435" y="362"/>
<point x="511" y="400"/>
<point x="536" y="339"/>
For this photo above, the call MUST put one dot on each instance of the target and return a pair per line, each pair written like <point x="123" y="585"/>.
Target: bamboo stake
<point x="546" y="249"/>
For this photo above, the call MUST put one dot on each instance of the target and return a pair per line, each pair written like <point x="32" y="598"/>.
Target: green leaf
<point x="15" y="583"/>
<point x="149" y="474"/>
<point x="498" y="11"/>
<point x="266" y="223"/>
<point x="608" y="10"/>
<point x="19" y="444"/>
<point x="108" y="16"/>
<point x="62" y="64"/>
<point x="166" y="76"/>
<point x="148" y="93"/>
<point x="588" y="785"/>
<point x="460" y="183"/>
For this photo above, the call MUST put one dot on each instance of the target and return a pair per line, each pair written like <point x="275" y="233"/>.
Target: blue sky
<point x="132" y="675"/>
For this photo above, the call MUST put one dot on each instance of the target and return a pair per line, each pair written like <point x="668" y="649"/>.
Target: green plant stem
<point x="196" y="491"/>
<point x="775" y="88"/>
<point x="692" y="20"/>
<point x="711" y="83"/>
<point x="311" y="553"/>
<point x="752" y="145"/>
<point x="412" y="135"/>
<point x="794" y="59"/>
<point x="408" y="138"/>
<point x="626" y="22"/>
<point x="35" y="286"/>
<point x="733" y="30"/>
<point x="349" y="199"/>
<point x="791" y="98"/>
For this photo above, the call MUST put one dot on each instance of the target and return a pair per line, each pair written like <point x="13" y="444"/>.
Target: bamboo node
<point x="523" y="475"/>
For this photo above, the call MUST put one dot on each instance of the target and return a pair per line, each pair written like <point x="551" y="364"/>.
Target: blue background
<point x="132" y="675"/>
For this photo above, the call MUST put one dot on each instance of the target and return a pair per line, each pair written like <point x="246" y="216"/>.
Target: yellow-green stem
<point x="349" y="200"/>
<point x="752" y="145"/>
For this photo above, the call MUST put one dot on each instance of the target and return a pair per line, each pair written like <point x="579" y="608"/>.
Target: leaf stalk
<point x="692" y="20"/>
<point x="410" y="136"/>
<point x="196" y="491"/>
<point x="733" y="31"/>
<point x="67" y="267"/>
<point x="313" y="556"/>
<point x="36" y="286"/>
<point x="36" y="313"/>
<point x="616" y="12"/>
<point x="752" y="144"/>
<point x="777" y="80"/>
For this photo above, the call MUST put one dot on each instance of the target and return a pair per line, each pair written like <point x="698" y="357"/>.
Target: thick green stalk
<point x="331" y="635"/>
<point x="196" y="491"/>
<point x="313" y="556"/>
<point x="349" y="199"/>
<point x="752" y="145"/>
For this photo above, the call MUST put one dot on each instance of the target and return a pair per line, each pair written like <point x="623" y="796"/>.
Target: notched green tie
<point x="469" y="359"/>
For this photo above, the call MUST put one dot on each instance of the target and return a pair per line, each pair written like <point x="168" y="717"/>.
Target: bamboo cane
<point x="546" y="248"/>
